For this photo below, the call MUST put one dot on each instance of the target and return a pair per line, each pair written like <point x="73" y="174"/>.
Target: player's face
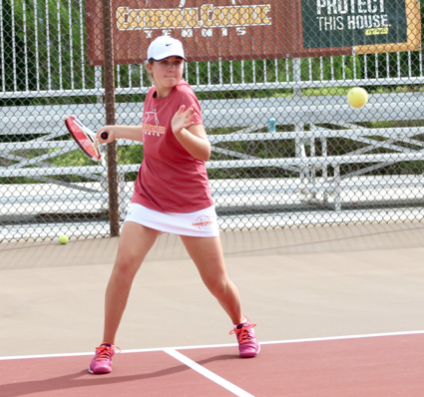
<point x="167" y="72"/>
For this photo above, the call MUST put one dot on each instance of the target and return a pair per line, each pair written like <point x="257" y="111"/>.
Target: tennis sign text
<point x="343" y="23"/>
<point x="210" y="29"/>
<point x="352" y="14"/>
<point x="207" y="16"/>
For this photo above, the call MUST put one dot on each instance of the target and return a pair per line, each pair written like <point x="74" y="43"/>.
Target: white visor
<point x="165" y="47"/>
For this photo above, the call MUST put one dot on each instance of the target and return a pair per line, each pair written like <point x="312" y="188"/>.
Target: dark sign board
<point x="249" y="29"/>
<point x="345" y="23"/>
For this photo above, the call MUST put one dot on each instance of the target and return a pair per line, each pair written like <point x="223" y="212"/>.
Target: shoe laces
<point x="244" y="333"/>
<point x="104" y="352"/>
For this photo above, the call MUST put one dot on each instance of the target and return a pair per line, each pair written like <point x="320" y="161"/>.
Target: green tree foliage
<point x="44" y="49"/>
<point x="43" y="45"/>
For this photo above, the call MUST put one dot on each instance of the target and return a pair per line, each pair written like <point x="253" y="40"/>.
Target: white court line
<point x="208" y="374"/>
<point x="156" y="349"/>
<point x="330" y="338"/>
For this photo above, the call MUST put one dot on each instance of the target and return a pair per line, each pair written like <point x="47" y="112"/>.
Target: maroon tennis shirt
<point x="170" y="179"/>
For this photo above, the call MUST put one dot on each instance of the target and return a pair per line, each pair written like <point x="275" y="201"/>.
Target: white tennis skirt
<point x="201" y="223"/>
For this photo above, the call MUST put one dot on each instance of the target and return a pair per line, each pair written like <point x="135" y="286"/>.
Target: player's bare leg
<point x="134" y="244"/>
<point x="206" y="253"/>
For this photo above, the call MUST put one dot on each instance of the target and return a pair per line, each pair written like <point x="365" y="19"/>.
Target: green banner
<point x="348" y="23"/>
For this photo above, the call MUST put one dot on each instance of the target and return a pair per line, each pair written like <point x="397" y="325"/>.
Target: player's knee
<point x="217" y="287"/>
<point x="126" y="268"/>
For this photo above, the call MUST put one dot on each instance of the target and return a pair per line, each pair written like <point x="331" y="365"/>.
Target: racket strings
<point x="84" y="137"/>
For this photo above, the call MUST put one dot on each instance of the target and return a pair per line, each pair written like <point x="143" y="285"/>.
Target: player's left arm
<point x="191" y="136"/>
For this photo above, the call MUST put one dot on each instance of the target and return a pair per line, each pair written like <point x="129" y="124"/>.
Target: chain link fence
<point x="272" y="79"/>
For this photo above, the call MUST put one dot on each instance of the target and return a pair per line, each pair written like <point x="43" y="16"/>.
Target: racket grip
<point x="104" y="135"/>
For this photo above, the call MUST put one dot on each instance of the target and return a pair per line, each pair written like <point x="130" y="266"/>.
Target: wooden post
<point x="109" y="77"/>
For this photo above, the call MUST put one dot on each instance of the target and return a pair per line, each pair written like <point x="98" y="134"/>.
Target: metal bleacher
<point x="310" y="116"/>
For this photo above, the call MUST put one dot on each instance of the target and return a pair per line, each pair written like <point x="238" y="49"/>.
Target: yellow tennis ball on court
<point x="357" y="97"/>
<point x="63" y="239"/>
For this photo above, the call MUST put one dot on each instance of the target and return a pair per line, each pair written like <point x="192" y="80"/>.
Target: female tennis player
<point x="171" y="195"/>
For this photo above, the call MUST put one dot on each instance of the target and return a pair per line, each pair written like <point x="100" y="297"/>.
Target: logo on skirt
<point x="202" y="221"/>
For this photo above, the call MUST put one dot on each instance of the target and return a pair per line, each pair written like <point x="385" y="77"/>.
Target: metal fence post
<point x="110" y="117"/>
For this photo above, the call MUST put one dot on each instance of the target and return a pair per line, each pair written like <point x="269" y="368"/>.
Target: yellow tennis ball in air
<point x="63" y="239"/>
<point x="357" y="97"/>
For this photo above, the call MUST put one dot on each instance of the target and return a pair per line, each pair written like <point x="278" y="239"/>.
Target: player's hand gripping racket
<point x="84" y="137"/>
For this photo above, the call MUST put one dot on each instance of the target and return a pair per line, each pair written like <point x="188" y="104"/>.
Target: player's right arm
<point x="132" y="132"/>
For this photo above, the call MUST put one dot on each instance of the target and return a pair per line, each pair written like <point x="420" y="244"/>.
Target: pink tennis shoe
<point x="102" y="361"/>
<point x="248" y="344"/>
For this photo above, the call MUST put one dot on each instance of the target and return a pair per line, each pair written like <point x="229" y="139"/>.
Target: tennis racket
<point x="84" y="137"/>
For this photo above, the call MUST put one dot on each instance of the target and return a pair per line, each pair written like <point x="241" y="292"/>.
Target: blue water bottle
<point x="271" y="125"/>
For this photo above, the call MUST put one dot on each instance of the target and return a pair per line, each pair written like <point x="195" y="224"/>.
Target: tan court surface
<point x="295" y="283"/>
